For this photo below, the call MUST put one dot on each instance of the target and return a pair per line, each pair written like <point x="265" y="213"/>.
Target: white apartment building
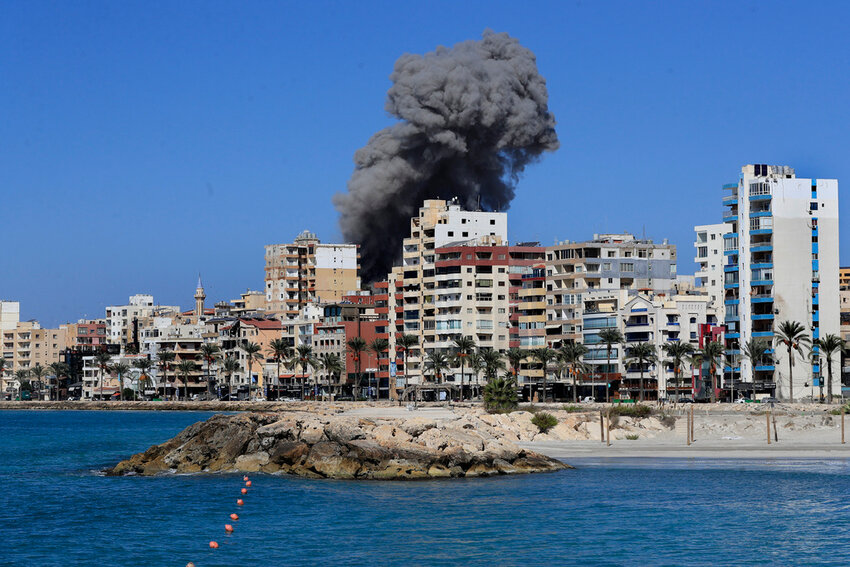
<point x="120" y="319"/>
<point x="708" y="248"/>
<point x="781" y="250"/>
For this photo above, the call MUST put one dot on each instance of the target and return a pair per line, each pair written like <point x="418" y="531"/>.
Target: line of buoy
<point x="228" y="528"/>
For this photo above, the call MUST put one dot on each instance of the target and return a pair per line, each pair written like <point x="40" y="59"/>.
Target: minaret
<point x="200" y="296"/>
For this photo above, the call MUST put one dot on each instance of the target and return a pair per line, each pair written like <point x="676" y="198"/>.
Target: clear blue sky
<point x="144" y="142"/>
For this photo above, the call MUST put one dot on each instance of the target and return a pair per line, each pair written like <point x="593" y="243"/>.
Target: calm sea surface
<point x="57" y="511"/>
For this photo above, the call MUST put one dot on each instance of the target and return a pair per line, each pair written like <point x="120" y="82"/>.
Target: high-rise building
<point x="781" y="250"/>
<point x="122" y="320"/>
<point x="708" y="278"/>
<point x="307" y="271"/>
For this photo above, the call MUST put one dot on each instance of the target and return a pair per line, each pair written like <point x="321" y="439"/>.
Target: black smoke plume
<point x="472" y="117"/>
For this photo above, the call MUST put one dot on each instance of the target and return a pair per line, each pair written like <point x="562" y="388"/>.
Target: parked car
<point x="588" y="400"/>
<point x="685" y="400"/>
<point x="769" y="400"/>
<point x="743" y="401"/>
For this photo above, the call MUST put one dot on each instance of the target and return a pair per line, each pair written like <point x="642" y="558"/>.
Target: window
<point x="713" y="236"/>
<point x="627" y="267"/>
<point x="612" y="254"/>
<point x="606" y="266"/>
<point x="465" y="234"/>
<point x="462" y="221"/>
<point x="451" y="233"/>
<point x="492" y="221"/>
<point x="628" y="254"/>
<point x="813" y="206"/>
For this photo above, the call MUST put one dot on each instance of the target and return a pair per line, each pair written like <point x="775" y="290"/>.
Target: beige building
<point x="307" y="271"/>
<point x="27" y="345"/>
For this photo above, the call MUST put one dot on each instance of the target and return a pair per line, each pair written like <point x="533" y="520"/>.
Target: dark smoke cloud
<point x="472" y="117"/>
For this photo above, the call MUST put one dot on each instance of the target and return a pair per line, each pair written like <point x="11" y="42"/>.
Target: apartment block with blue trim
<point x="780" y="264"/>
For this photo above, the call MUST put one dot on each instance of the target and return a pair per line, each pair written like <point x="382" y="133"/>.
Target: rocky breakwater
<point x="338" y="446"/>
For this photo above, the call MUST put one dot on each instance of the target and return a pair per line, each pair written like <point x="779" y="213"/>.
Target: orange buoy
<point x="228" y="528"/>
<point x="190" y="564"/>
<point x="244" y="478"/>
<point x="248" y="483"/>
<point x="244" y="491"/>
<point x="234" y="517"/>
<point x="240" y="502"/>
<point x="213" y="545"/>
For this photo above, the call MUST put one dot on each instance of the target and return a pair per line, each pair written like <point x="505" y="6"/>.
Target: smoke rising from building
<point x="471" y="118"/>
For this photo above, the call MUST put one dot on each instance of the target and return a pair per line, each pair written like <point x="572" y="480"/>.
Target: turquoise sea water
<point x="57" y="511"/>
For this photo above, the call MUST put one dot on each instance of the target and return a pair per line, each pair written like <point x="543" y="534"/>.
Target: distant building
<point x="122" y="320"/>
<point x="307" y="271"/>
<point x="709" y="256"/>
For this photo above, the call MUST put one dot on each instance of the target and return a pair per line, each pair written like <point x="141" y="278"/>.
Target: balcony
<point x="763" y="317"/>
<point x="762" y="248"/>
<point x="761" y="335"/>
<point x="761" y="298"/>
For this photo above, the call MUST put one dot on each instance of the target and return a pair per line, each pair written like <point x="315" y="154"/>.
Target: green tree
<point x="406" y="342"/>
<point x="59" y="370"/>
<point x="279" y="350"/>
<point x="184" y="368"/>
<point x="102" y="361"/>
<point x="165" y="357"/>
<point x="356" y="346"/>
<point x="230" y="366"/>
<point x="572" y="354"/>
<point x="642" y="353"/>
<point x="252" y="355"/>
<point x="756" y="350"/>
<point x="143" y="365"/>
<point x="493" y="363"/>
<point x="515" y="356"/>
<point x="3" y="365"/>
<point x="304" y="357"/>
<point x="464" y="347"/>
<point x="500" y="395"/>
<point x="22" y="375"/>
<point x="333" y="366"/>
<point x="610" y="337"/>
<point x="827" y="346"/>
<point x="210" y="353"/>
<point x="121" y="369"/>
<point x="37" y="373"/>
<point x="712" y="353"/>
<point x="378" y="347"/>
<point x="677" y="352"/>
<point x="437" y="363"/>
<point x="544" y="356"/>
<point x="793" y="335"/>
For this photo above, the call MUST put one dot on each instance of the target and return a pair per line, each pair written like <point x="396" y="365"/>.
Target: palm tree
<point x="515" y="356"/>
<point x="643" y="353"/>
<point x="279" y="350"/>
<point x="59" y="369"/>
<point x="477" y="364"/>
<point x="827" y="346"/>
<point x="210" y="353"/>
<point x="610" y="337"/>
<point x="755" y="350"/>
<point x="102" y="360"/>
<point x="492" y="362"/>
<point x="331" y="364"/>
<point x="38" y="372"/>
<point x="405" y="342"/>
<point x="165" y="358"/>
<point x="252" y="355"/>
<point x="378" y="346"/>
<point x="677" y="352"/>
<point x="544" y="356"/>
<point x="500" y="394"/>
<point x="572" y="353"/>
<point x="304" y="356"/>
<point x="712" y="353"/>
<point x="121" y="368"/>
<point x="3" y="364"/>
<point x="437" y="363"/>
<point x="230" y="367"/>
<point x="143" y="365"/>
<point x="463" y="347"/>
<point x="21" y="375"/>
<point x="793" y="335"/>
<point x="356" y="346"/>
<point x="184" y="368"/>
